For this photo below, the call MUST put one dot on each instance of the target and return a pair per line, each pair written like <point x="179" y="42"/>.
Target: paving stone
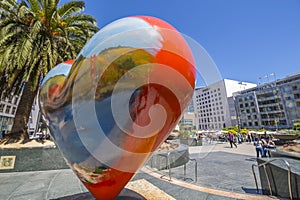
<point x="218" y="167"/>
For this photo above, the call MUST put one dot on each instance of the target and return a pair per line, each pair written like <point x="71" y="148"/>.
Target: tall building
<point x="214" y="105"/>
<point x="8" y="107"/>
<point x="188" y="121"/>
<point x="273" y="105"/>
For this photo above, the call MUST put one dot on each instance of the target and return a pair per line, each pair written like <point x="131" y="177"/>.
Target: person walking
<point x="259" y="148"/>
<point x="270" y="147"/>
<point x="231" y="140"/>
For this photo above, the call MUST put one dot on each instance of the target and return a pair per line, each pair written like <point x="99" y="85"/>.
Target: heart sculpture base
<point x="125" y="194"/>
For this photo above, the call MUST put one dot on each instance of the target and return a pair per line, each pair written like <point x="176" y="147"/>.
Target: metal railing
<point x="196" y="166"/>
<point x="169" y="168"/>
<point x="267" y="176"/>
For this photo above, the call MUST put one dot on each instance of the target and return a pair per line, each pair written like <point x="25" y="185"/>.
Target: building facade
<point x="214" y="104"/>
<point x="274" y="105"/>
<point x="188" y="121"/>
<point x="8" y="107"/>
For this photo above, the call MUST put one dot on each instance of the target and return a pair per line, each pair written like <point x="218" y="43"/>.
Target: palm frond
<point x="70" y="8"/>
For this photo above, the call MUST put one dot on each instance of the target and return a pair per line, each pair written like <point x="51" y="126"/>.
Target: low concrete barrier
<point x="31" y="159"/>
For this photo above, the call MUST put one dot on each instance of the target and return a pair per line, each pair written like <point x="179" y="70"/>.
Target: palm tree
<point x="35" y="36"/>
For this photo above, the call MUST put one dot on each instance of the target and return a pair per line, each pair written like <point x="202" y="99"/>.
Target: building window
<point x="7" y="109"/>
<point x="288" y="98"/>
<point x="13" y="110"/>
<point x="294" y="87"/>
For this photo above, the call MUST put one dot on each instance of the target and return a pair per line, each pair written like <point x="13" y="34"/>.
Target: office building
<point x="273" y="105"/>
<point x="214" y="105"/>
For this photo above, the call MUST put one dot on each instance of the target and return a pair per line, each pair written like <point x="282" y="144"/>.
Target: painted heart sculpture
<point x="118" y="101"/>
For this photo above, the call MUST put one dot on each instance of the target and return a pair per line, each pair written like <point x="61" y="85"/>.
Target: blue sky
<point x="247" y="39"/>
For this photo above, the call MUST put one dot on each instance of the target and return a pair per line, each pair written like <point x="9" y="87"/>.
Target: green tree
<point x="35" y="36"/>
<point x="297" y="126"/>
<point x="244" y="131"/>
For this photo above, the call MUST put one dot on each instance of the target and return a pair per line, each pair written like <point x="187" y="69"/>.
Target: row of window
<point x="211" y="126"/>
<point x="209" y="101"/>
<point x="208" y="107"/>
<point x="204" y="93"/>
<point x="211" y="113"/>
<point x="252" y="110"/>
<point x="11" y="99"/>
<point x="249" y="124"/>
<point x="247" y="98"/>
<point x="247" y="104"/>
<point x="7" y="109"/>
<point x="212" y="119"/>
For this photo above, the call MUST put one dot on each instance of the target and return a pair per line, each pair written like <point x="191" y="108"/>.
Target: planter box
<point x="191" y="142"/>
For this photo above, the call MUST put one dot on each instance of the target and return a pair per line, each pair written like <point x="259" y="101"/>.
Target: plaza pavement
<point x="223" y="173"/>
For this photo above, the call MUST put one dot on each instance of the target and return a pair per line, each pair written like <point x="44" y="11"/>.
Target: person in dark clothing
<point x="231" y="140"/>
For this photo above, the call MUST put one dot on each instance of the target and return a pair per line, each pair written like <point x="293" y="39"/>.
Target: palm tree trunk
<point x="19" y="129"/>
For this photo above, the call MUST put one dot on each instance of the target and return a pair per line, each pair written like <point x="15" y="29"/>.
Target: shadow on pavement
<point x="251" y="190"/>
<point x="126" y="194"/>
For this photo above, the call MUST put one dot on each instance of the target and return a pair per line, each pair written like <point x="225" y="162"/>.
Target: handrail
<point x="196" y="167"/>
<point x="268" y="180"/>
<point x="168" y="166"/>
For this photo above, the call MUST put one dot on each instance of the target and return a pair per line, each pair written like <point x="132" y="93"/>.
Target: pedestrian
<point x="2" y="134"/>
<point x="252" y="137"/>
<point x="248" y="138"/>
<point x="259" y="148"/>
<point x="231" y="140"/>
<point x="270" y="147"/>
<point x="266" y="136"/>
